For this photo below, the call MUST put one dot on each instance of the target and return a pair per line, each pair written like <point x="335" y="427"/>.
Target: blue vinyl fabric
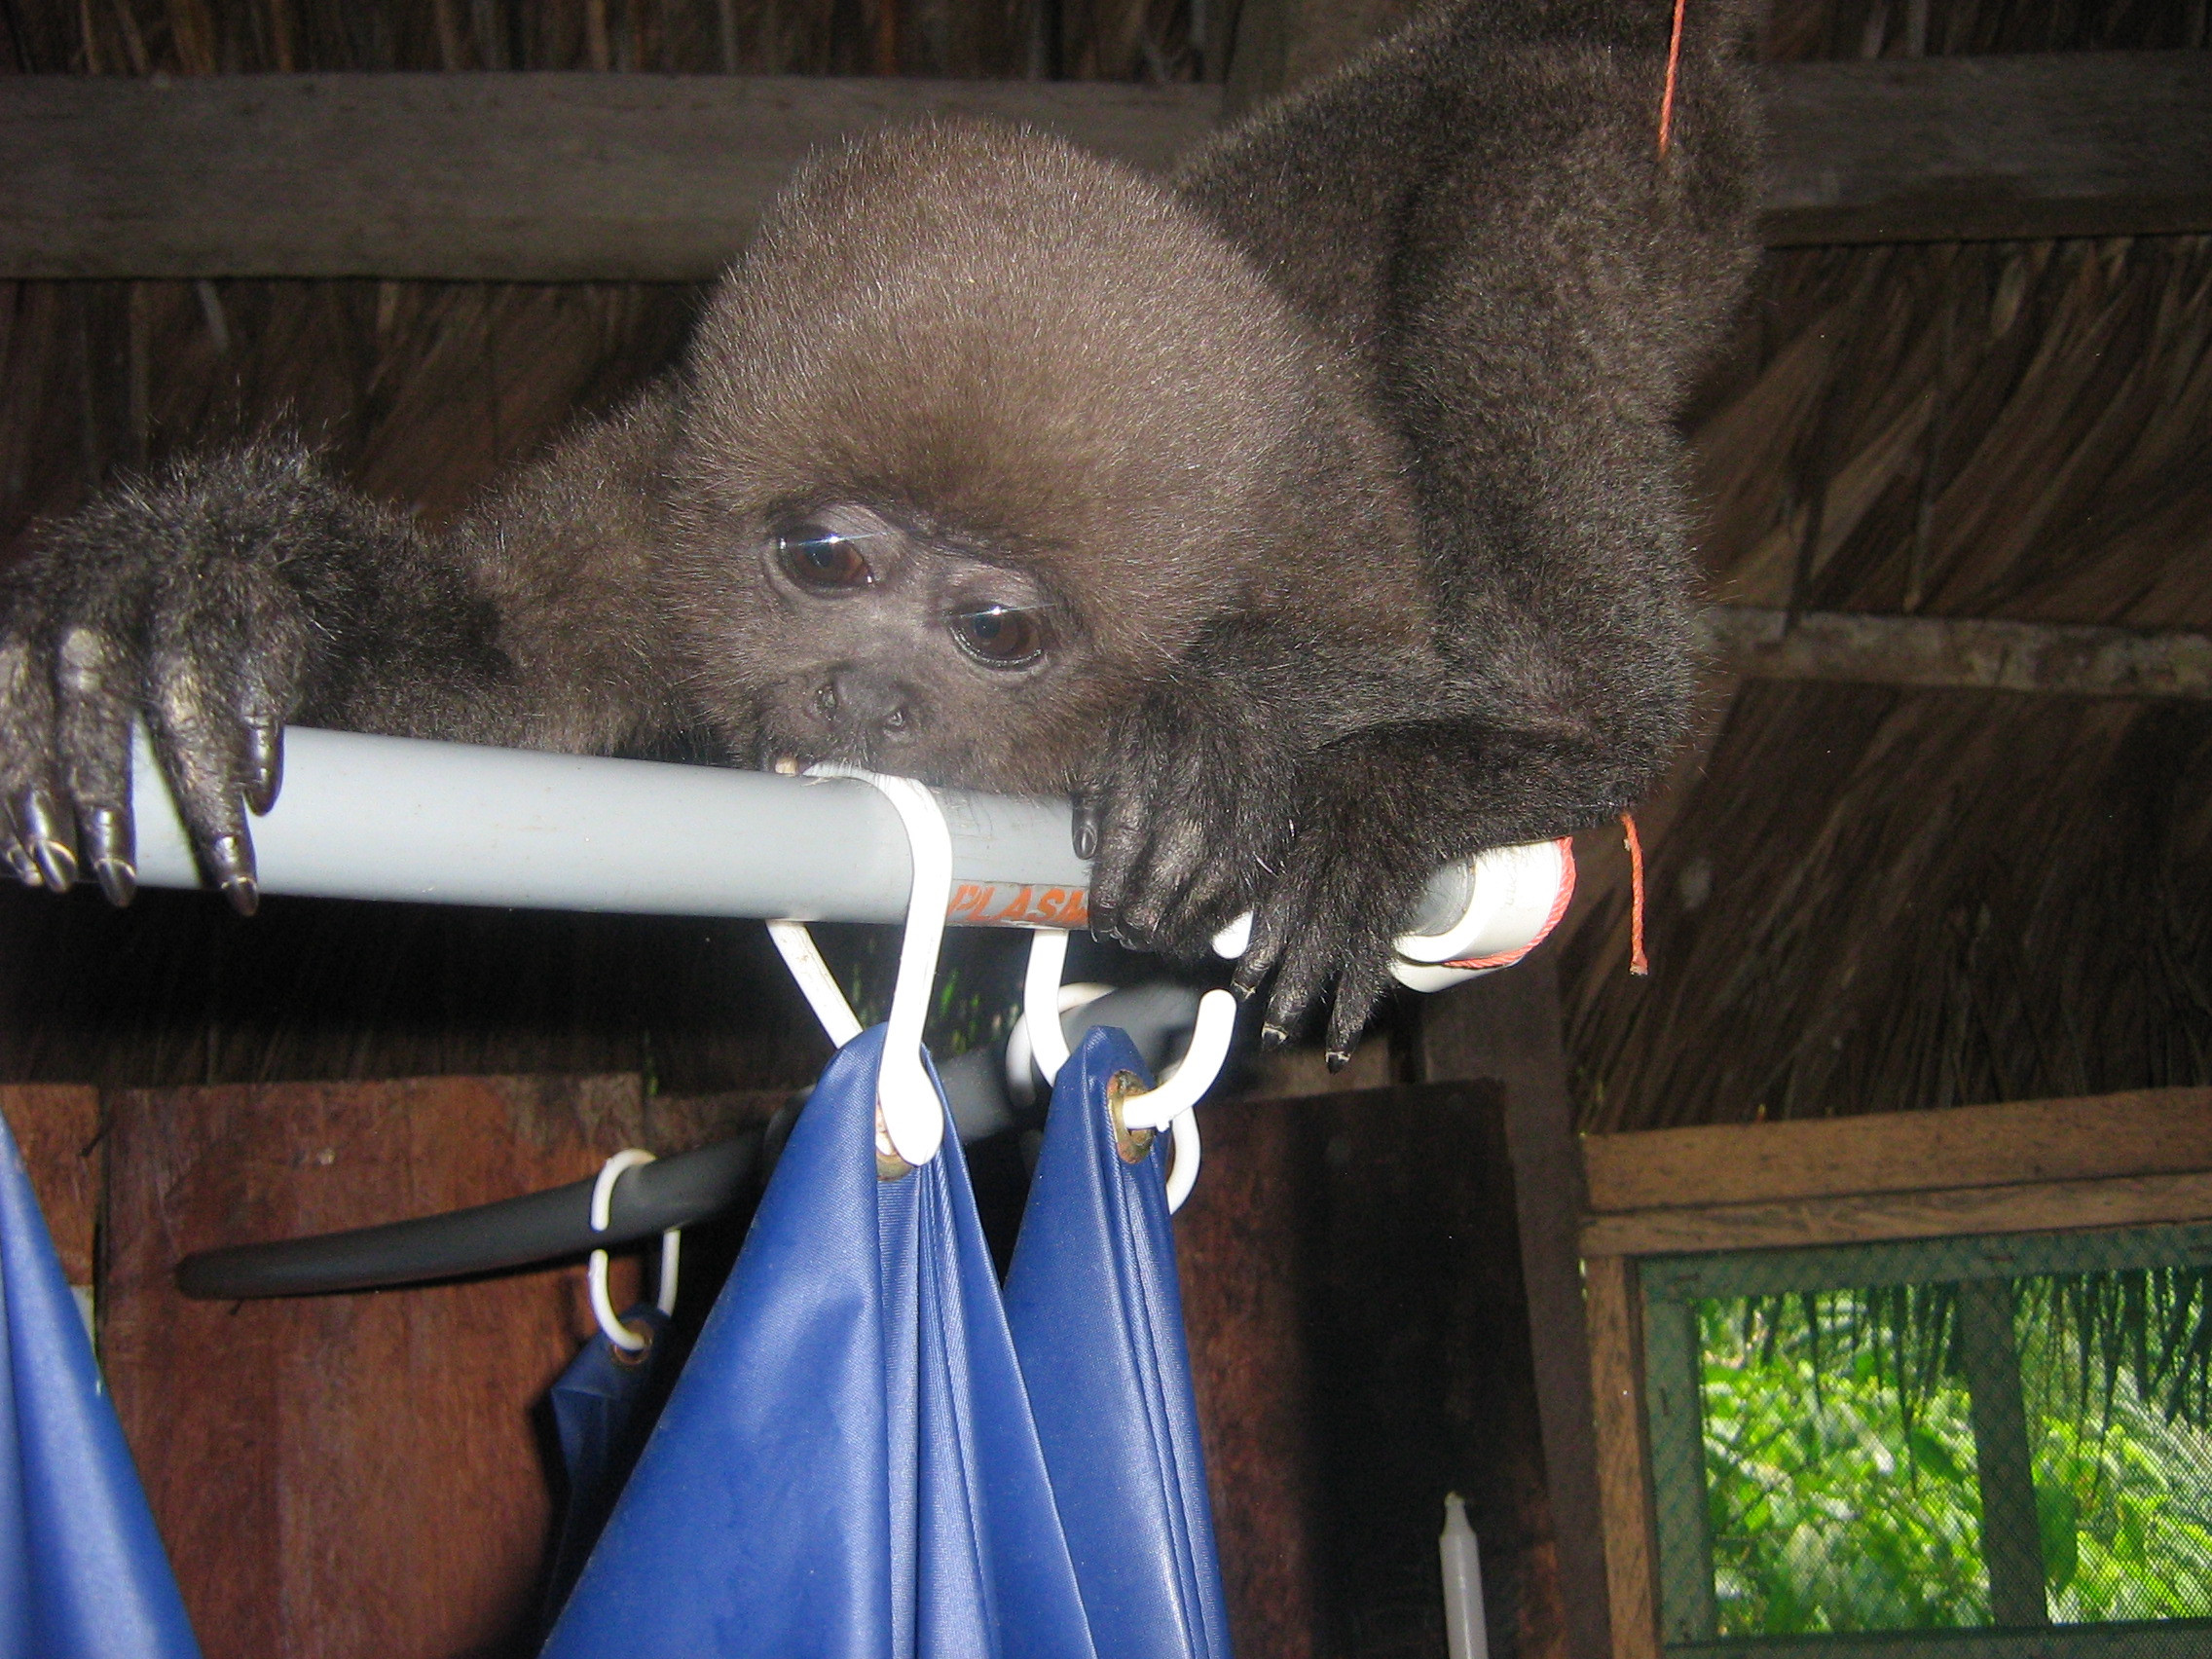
<point x="1096" y="1313"/>
<point x="82" y="1570"/>
<point x="602" y="1412"/>
<point x="847" y="1467"/>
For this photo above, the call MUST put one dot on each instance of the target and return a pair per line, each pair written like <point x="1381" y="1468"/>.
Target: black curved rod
<point x="672" y="1191"/>
<point x="513" y="1232"/>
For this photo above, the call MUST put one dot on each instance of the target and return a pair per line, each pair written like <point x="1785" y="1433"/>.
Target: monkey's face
<point x="976" y="443"/>
<point x="902" y="650"/>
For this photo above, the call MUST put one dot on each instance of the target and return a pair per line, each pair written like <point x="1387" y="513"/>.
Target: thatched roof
<point x="1867" y="899"/>
<point x="1861" y="897"/>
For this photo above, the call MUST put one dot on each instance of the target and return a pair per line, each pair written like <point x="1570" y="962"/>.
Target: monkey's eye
<point x="816" y="557"/>
<point x="998" y="636"/>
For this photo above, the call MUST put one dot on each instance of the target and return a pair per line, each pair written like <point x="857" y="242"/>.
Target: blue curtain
<point x="81" y="1572"/>
<point x="847" y="1468"/>
<point x="855" y="1464"/>
<point x="602" y="1408"/>
<point x="1097" y="1320"/>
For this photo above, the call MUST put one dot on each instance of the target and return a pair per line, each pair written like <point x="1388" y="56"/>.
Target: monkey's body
<point x="1316" y="520"/>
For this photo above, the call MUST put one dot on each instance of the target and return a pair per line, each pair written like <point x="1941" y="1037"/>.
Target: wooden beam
<point x="1507" y="1028"/>
<point x="1960" y="652"/>
<point x="2152" y="1131"/>
<point x="2041" y="1207"/>
<point x="1941" y="149"/>
<point x="500" y="177"/>
<point x="556" y="178"/>
<point x="1623" y="1456"/>
<point x="56" y="1127"/>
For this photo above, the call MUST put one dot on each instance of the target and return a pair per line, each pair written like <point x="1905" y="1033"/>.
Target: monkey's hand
<point x="1324" y="926"/>
<point x="1183" y="815"/>
<point x="1198" y="813"/>
<point x="1377" y="813"/>
<point x="210" y="602"/>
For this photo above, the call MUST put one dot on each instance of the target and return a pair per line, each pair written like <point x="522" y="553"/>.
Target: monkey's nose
<point x="854" y="701"/>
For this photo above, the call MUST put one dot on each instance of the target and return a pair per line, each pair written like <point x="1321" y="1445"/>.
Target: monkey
<point x="1311" y="517"/>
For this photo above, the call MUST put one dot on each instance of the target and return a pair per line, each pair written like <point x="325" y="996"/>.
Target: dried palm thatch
<point x="420" y="392"/>
<point x="1877" y="900"/>
<point x="1864" y="898"/>
<point x="1076" y="39"/>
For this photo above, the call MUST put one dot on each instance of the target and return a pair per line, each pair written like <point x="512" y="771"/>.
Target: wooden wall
<point x="364" y="1477"/>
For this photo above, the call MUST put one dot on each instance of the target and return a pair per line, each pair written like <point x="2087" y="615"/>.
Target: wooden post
<point x="1506" y="1026"/>
<point x="1623" y="1456"/>
<point x="1674" y="1427"/>
<point x="2011" y="1536"/>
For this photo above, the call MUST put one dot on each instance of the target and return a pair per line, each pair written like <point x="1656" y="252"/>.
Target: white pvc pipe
<point x="362" y="817"/>
<point x="365" y="817"/>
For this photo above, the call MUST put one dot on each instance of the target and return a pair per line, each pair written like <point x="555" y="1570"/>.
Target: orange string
<point x="1638" y="962"/>
<point x="1667" y="100"/>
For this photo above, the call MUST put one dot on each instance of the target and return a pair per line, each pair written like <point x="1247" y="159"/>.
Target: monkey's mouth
<point x="778" y="753"/>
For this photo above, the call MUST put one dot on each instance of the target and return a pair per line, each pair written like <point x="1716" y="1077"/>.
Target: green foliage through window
<point x="1843" y="1487"/>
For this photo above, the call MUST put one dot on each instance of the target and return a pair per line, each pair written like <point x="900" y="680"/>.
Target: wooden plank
<point x="1979" y="1256"/>
<point x="2141" y="1132"/>
<point x="58" y="1129"/>
<point x="1245" y="1277"/>
<point x="1359" y="1344"/>
<point x="1941" y="149"/>
<point x="1673" y="1378"/>
<point x="2039" y="1206"/>
<point x="1631" y="1534"/>
<point x="502" y="178"/>
<point x="554" y="177"/>
<point x="345" y="1477"/>
<point x="1506" y="1028"/>
<point x="2152" y="1638"/>
<point x="1960" y="652"/>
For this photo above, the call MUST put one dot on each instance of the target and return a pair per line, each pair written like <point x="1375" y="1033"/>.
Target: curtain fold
<point x="847" y="1468"/>
<point x="82" y="1574"/>
<point x="1097" y="1311"/>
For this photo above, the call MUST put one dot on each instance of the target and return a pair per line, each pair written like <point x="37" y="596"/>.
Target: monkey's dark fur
<point x="1315" y="519"/>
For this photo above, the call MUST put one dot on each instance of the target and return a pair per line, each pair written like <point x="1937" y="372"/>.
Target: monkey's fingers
<point x="40" y="848"/>
<point x="264" y="761"/>
<point x="1183" y="836"/>
<point x="1362" y="980"/>
<point x="200" y="761"/>
<point x="211" y="762"/>
<point x="44" y="842"/>
<point x="94" y="704"/>
<point x="1116" y="804"/>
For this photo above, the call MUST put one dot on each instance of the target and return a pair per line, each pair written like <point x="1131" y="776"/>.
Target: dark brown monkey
<point x="1315" y="519"/>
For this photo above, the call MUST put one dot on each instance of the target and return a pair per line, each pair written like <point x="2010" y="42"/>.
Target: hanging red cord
<point x="1667" y="104"/>
<point x="1638" y="962"/>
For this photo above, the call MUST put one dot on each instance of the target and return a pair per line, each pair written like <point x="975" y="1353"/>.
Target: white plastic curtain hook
<point x="815" y="981"/>
<point x="1021" y="1066"/>
<point x="1171" y="1106"/>
<point x="1041" y="1001"/>
<point x="671" y="1246"/>
<point x="909" y="1116"/>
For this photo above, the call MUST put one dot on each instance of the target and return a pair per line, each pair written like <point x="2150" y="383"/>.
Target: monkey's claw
<point x="45" y="835"/>
<point x="111" y="849"/>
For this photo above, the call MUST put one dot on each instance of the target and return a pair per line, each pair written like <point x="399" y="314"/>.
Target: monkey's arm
<point x="231" y="594"/>
<point x="1321" y="791"/>
<point x="1476" y="214"/>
